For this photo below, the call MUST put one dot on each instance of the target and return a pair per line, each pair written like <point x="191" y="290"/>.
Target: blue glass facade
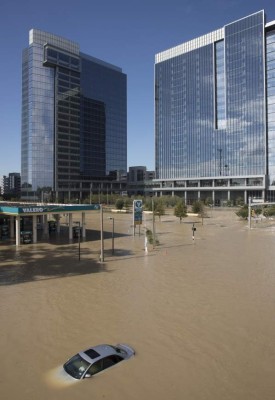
<point x="74" y="117"/>
<point x="213" y="123"/>
<point x="108" y="120"/>
<point x="270" y="64"/>
<point x="37" y="150"/>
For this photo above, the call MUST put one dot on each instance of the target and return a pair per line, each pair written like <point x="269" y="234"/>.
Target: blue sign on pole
<point x="137" y="211"/>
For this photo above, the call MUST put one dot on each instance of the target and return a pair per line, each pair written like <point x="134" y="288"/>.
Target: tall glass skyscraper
<point x="215" y="114"/>
<point x="74" y="118"/>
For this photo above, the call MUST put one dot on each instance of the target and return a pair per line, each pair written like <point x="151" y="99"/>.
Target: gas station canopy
<point x="16" y="211"/>
<point x="35" y="209"/>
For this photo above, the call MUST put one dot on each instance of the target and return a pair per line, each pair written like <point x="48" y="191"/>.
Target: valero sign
<point x="33" y="210"/>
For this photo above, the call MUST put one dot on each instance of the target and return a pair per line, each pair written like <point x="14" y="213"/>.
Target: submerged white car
<point x="89" y="362"/>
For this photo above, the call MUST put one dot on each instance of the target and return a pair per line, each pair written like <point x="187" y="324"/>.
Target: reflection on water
<point x="200" y="314"/>
<point x="56" y="379"/>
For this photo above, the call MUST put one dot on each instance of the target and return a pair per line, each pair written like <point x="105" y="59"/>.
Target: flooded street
<point x="200" y="314"/>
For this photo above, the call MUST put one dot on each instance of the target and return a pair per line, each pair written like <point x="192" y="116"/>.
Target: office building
<point x="140" y="181"/>
<point x="215" y="114"/>
<point x="10" y="186"/>
<point x="74" y="120"/>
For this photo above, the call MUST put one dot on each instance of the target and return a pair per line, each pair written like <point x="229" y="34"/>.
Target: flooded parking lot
<point x="200" y="314"/>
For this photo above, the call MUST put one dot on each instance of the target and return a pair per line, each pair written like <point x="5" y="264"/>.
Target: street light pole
<point x="154" y="233"/>
<point x="249" y="212"/>
<point x="101" y="234"/>
<point x="113" y="247"/>
<point x="78" y="222"/>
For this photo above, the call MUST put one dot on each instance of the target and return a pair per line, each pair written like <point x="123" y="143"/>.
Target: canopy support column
<point x="17" y="230"/>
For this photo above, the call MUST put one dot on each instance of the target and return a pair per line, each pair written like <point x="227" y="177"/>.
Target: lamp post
<point x="91" y="193"/>
<point x="78" y="223"/>
<point x="99" y="193"/>
<point x="113" y="248"/>
<point x="249" y="212"/>
<point x="154" y="233"/>
<point x="101" y="234"/>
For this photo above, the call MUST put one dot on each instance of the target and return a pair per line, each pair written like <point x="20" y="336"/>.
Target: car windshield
<point x="76" y="366"/>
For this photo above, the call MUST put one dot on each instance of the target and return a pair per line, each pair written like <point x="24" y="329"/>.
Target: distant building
<point x="136" y="174"/>
<point x="140" y="181"/>
<point x="2" y="184"/>
<point x="10" y="185"/>
<point x="215" y="114"/>
<point x="74" y="121"/>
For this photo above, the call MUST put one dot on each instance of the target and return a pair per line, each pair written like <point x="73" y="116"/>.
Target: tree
<point x="159" y="208"/>
<point x="127" y="202"/>
<point x="119" y="204"/>
<point x="148" y="204"/>
<point x="199" y="208"/>
<point x="180" y="210"/>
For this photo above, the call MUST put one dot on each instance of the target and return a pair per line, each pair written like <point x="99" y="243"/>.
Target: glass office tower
<point x="215" y="114"/>
<point x="74" y="118"/>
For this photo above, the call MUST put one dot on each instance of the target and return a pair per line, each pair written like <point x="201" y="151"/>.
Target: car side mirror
<point x="88" y="376"/>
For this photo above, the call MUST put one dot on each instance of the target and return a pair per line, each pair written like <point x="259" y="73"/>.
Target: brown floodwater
<point x="199" y="313"/>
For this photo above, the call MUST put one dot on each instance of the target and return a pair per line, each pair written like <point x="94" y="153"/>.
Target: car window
<point x="119" y="350"/>
<point x="111" y="360"/>
<point x="92" y="353"/>
<point x="76" y="366"/>
<point x="95" y="368"/>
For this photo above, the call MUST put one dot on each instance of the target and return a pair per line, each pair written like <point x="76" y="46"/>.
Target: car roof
<point x="95" y="353"/>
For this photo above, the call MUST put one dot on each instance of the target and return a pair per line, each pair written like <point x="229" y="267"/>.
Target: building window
<point x="220" y="118"/>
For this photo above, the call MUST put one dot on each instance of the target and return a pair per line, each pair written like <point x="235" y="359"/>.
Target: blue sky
<point x="124" y="33"/>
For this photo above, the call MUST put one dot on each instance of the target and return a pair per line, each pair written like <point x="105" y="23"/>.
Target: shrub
<point x="208" y="201"/>
<point x="240" y="201"/>
<point x="243" y="212"/>
<point x="149" y="236"/>
<point x="269" y="211"/>
<point x="258" y="211"/>
<point x="119" y="204"/>
<point x="198" y="207"/>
